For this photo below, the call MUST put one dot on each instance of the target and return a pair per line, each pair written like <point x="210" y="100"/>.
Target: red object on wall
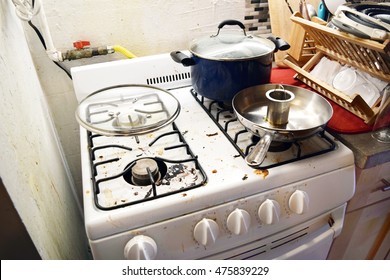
<point x="81" y="44"/>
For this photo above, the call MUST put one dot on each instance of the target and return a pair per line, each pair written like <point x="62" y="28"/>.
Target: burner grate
<point x="168" y="185"/>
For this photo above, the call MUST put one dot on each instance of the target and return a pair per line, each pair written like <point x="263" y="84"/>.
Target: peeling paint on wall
<point x="31" y="164"/>
<point x="145" y="27"/>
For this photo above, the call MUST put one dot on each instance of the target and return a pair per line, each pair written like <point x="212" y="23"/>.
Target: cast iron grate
<point x="153" y="192"/>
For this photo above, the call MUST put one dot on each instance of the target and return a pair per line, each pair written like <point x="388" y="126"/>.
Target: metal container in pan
<point x="308" y="114"/>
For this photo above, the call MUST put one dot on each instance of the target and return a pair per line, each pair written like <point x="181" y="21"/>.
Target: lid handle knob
<point x="231" y="22"/>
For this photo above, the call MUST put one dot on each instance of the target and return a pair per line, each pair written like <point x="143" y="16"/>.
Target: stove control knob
<point x="238" y="221"/>
<point x="140" y="247"/>
<point x="206" y="232"/>
<point x="299" y="202"/>
<point x="269" y="212"/>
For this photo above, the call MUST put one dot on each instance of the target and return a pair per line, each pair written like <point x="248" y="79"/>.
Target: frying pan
<point x="308" y="114"/>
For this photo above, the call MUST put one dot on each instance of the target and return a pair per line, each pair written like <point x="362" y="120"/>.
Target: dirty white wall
<point x="31" y="164"/>
<point x="144" y="27"/>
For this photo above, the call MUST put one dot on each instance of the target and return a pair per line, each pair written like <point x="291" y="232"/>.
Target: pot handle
<point x="257" y="155"/>
<point x="180" y="57"/>
<point x="230" y="22"/>
<point x="280" y="44"/>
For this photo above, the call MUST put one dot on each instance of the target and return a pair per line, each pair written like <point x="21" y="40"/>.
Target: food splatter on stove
<point x="212" y="134"/>
<point x="263" y="173"/>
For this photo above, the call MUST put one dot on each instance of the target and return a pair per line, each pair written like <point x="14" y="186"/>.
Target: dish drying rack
<point x="367" y="55"/>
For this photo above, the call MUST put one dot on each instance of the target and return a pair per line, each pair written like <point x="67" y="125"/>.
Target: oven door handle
<point x="386" y="186"/>
<point x="337" y="219"/>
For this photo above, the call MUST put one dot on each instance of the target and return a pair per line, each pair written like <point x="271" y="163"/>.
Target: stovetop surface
<point x="228" y="177"/>
<point x="115" y="160"/>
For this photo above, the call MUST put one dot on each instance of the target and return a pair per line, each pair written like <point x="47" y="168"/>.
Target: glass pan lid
<point x="231" y="46"/>
<point x="127" y="110"/>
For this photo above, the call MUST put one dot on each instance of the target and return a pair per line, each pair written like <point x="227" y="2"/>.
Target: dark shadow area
<point x="15" y="242"/>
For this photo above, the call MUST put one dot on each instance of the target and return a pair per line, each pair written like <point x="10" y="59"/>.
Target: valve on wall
<point x="83" y="49"/>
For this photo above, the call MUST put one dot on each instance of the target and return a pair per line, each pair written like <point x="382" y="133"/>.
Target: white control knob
<point x="238" y="221"/>
<point x="140" y="247"/>
<point x="299" y="202"/>
<point x="206" y="232"/>
<point x="269" y="212"/>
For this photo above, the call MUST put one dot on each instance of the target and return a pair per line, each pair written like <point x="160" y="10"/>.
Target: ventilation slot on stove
<point x="288" y="239"/>
<point x="168" y="78"/>
<point x="258" y="248"/>
<point x="294" y="237"/>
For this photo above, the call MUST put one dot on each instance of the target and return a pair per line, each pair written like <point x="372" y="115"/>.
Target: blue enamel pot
<point x="225" y="63"/>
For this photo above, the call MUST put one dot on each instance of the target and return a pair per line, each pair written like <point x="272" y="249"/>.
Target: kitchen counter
<point x="366" y="232"/>
<point x="368" y="152"/>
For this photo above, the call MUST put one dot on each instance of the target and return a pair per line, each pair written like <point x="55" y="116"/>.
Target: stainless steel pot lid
<point x="228" y="45"/>
<point x="127" y="110"/>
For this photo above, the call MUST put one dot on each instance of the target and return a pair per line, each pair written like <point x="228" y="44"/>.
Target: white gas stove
<point x="200" y="199"/>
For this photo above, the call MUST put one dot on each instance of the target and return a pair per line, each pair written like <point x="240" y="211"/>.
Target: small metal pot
<point x="223" y="64"/>
<point x="308" y="114"/>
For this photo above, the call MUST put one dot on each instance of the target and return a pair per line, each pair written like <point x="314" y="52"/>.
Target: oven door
<point x="309" y="241"/>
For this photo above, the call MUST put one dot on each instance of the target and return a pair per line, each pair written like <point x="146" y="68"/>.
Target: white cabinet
<point x="366" y="232"/>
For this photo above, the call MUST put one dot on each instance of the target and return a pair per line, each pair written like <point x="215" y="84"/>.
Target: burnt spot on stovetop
<point x="181" y="174"/>
<point x="178" y="176"/>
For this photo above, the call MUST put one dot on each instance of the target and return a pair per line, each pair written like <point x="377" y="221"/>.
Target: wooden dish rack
<point x="367" y="55"/>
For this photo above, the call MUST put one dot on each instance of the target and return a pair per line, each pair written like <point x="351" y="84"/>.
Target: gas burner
<point x="130" y="119"/>
<point x="145" y="171"/>
<point x="131" y="170"/>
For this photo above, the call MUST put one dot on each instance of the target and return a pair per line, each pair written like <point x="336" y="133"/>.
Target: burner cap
<point x="140" y="172"/>
<point x="129" y="120"/>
